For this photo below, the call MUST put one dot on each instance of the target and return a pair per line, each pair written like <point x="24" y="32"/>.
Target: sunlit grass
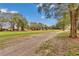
<point x="60" y="45"/>
<point x="7" y="36"/>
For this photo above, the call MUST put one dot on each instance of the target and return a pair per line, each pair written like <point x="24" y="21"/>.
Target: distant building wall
<point x="7" y="25"/>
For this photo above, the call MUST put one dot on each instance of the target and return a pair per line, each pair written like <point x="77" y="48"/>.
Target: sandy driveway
<point x="25" y="46"/>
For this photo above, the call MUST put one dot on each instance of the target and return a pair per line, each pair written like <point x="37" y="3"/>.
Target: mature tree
<point x="23" y="23"/>
<point x="19" y="21"/>
<point x="38" y="26"/>
<point x="2" y="20"/>
<point x="63" y="22"/>
<point x="73" y="10"/>
<point x="58" y="9"/>
<point x="33" y="26"/>
<point x="16" y="20"/>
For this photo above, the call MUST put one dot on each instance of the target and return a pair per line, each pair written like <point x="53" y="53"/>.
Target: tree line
<point x="17" y="22"/>
<point x="14" y="20"/>
<point x="39" y="26"/>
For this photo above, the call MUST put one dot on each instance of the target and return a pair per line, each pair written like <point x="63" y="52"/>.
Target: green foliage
<point x="20" y="21"/>
<point x="38" y="26"/>
<point x="15" y="19"/>
<point x="63" y="22"/>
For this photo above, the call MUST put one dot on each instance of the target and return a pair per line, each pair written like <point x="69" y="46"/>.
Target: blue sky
<point x="29" y="11"/>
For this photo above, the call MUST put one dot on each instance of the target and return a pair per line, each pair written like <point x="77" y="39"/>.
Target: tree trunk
<point x="73" y="19"/>
<point x="63" y="25"/>
<point x="1" y="29"/>
<point x="22" y="28"/>
<point x="17" y="27"/>
<point x="13" y="28"/>
<point x="64" y="21"/>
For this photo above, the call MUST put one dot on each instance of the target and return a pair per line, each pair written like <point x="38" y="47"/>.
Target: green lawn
<point x="60" y="45"/>
<point x="7" y="36"/>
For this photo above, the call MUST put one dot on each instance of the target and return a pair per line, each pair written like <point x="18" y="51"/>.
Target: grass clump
<point x="46" y="48"/>
<point x="61" y="45"/>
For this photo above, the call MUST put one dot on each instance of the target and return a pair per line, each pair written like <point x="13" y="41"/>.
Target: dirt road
<point x="25" y="46"/>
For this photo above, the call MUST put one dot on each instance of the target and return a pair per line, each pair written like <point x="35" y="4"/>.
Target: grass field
<point x="60" y="45"/>
<point x="7" y="36"/>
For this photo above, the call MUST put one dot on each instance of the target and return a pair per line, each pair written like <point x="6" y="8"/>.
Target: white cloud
<point x="4" y="10"/>
<point x="13" y="11"/>
<point x="7" y="11"/>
